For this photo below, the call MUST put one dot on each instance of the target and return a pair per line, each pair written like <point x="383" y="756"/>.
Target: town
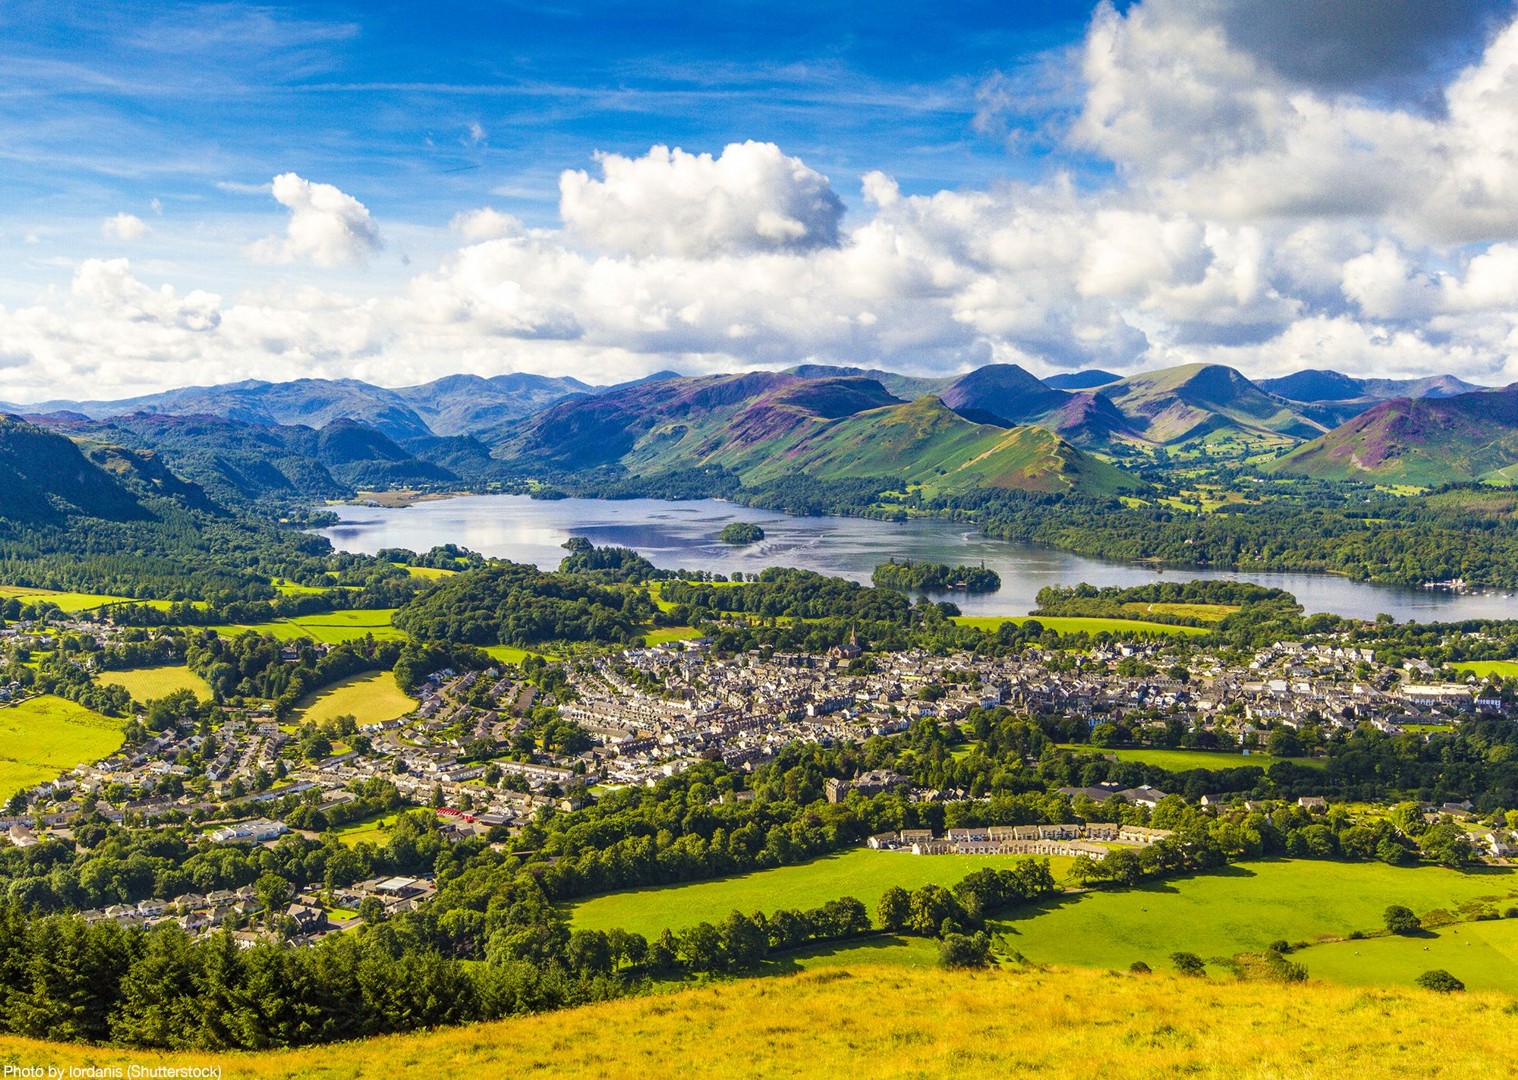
<point x="473" y="749"/>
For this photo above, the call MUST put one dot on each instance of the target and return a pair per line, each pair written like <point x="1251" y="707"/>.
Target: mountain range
<point x="995" y="427"/>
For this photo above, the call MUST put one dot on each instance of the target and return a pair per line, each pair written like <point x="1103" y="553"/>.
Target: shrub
<point x="1510" y="913"/>
<point x="1188" y="963"/>
<point x="1401" y="920"/>
<point x="1439" y="980"/>
<point x="1138" y="967"/>
<point x="1279" y="946"/>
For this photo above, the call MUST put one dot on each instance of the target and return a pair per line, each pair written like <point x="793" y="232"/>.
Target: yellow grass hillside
<point x="889" y="1022"/>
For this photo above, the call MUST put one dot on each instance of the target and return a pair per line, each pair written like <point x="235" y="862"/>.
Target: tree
<point x="964" y="950"/>
<point x="273" y="891"/>
<point x="1401" y="920"/>
<point x="744" y="941"/>
<point x="701" y="948"/>
<point x="931" y="907"/>
<point x="1188" y="963"/>
<point x="1446" y="845"/>
<point x="1439" y="981"/>
<point x="894" y="909"/>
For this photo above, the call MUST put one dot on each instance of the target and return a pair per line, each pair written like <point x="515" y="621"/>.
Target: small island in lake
<point x="740" y="533"/>
<point x="935" y="577"/>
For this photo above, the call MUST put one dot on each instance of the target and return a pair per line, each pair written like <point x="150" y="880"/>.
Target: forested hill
<point x="240" y="463"/>
<point x="44" y="478"/>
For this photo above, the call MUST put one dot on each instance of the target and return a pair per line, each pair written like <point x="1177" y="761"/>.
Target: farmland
<point x="1184" y="760"/>
<point x="896" y="1022"/>
<point x="1241" y="908"/>
<point x="1480" y="954"/>
<point x="146" y="684"/>
<point x="1507" y="669"/>
<point x="1078" y="624"/>
<point x="371" y="698"/>
<point x="44" y="736"/>
<point x="68" y="601"/>
<point x="331" y="627"/>
<point x="859" y="872"/>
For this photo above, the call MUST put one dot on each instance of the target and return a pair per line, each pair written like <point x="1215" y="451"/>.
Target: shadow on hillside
<point x="879" y="944"/>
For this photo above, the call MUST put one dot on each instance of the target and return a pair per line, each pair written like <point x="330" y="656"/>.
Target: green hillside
<point x="764" y="425"/>
<point x="1428" y="441"/>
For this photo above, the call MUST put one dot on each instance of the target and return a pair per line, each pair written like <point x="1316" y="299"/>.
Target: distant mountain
<point x="1001" y="393"/>
<point x="1081" y="380"/>
<point x="901" y="387"/>
<point x="454" y="405"/>
<point x="235" y="463"/>
<point x="465" y="404"/>
<point x="1202" y="401"/>
<point x="45" y="478"/>
<point x="1318" y="385"/>
<point x="764" y="425"/>
<point x="1424" y="441"/>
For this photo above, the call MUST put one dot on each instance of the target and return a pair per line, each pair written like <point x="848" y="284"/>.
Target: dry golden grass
<point x="891" y="1022"/>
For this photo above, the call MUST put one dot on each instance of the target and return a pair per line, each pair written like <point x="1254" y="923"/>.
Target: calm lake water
<point x="684" y="534"/>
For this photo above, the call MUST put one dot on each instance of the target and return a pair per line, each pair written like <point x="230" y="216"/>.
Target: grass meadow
<point x="375" y="830"/>
<point x="859" y="872"/>
<point x="332" y="627"/>
<point x="1184" y="760"/>
<point x="892" y="1023"/>
<point x="1241" y="908"/>
<point x="1508" y="669"/>
<point x="44" y="736"/>
<point x="1075" y="624"/>
<point x="146" y="684"/>
<point x="1483" y="955"/>
<point x="371" y="698"/>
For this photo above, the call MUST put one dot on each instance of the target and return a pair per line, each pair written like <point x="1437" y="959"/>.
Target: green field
<point x="429" y="573"/>
<point x="1074" y="624"/>
<point x="1483" y="955"/>
<point x="376" y="831"/>
<point x="1183" y="760"/>
<point x="1241" y="908"/>
<point x="371" y="698"/>
<point x="1203" y="612"/>
<point x="671" y="633"/>
<point x="68" y="601"/>
<point x="47" y="735"/>
<point x="332" y="627"/>
<point x="859" y="872"/>
<point x="1507" y="669"/>
<point x="146" y="684"/>
<point x="510" y="654"/>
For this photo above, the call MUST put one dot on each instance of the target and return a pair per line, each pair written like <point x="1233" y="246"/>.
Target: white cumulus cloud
<point x="124" y="227"/>
<point x="327" y="226"/>
<point x="750" y="198"/>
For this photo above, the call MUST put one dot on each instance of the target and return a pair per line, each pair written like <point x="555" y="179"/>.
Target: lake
<point x="684" y="534"/>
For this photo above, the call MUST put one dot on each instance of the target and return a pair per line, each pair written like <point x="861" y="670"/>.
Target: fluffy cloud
<point x="327" y="227"/>
<point x="1265" y="213"/>
<point x="124" y="227"/>
<point x="753" y="198"/>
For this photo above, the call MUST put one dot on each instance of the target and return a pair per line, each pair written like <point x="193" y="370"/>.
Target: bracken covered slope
<point x="891" y="1023"/>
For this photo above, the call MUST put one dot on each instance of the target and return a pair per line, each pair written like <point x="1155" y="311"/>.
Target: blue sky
<point x="424" y="108"/>
<point x="204" y="192"/>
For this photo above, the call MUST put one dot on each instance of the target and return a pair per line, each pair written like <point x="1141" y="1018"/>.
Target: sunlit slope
<point x="893" y="1022"/>
<point x="763" y="425"/>
<point x="1428" y="441"/>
